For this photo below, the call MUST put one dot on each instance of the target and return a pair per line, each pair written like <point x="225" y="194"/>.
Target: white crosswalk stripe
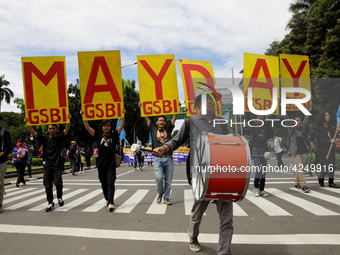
<point x="28" y="201"/>
<point x="93" y="202"/>
<point x="131" y="203"/>
<point x="265" y="205"/>
<point x="99" y="205"/>
<point x="67" y="196"/>
<point x="304" y="204"/>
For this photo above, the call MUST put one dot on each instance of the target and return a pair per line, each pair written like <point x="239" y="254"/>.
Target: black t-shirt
<point x="51" y="149"/>
<point x="300" y="139"/>
<point x="71" y="153"/>
<point x="160" y="137"/>
<point x="105" y="154"/>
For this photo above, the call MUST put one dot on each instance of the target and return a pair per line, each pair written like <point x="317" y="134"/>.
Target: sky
<point x="218" y="31"/>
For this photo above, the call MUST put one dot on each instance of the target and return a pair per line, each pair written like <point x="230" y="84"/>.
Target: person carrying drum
<point x="164" y="164"/>
<point x="196" y="125"/>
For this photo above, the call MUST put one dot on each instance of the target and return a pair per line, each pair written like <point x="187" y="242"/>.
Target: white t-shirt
<point x="277" y="147"/>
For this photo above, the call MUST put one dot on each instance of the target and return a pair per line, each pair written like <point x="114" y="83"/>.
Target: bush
<point x="37" y="162"/>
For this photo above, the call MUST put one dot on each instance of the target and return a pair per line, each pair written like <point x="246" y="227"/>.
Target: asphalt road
<point x="286" y="222"/>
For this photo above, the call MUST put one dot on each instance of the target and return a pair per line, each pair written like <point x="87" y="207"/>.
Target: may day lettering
<point x="101" y="84"/>
<point x="45" y="90"/>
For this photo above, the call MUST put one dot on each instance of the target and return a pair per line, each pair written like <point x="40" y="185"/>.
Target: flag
<point x="226" y="116"/>
<point x="150" y="138"/>
<point x="118" y="124"/>
<point x="122" y="134"/>
<point x="126" y="141"/>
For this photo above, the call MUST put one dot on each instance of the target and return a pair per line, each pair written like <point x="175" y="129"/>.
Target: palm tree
<point x="5" y="93"/>
<point x="301" y="6"/>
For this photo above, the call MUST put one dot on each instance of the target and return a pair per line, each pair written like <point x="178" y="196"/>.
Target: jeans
<point x="73" y="166"/>
<point x="21" y="171"/>
<point x="164" y="169"/>
<point x="279" y="159"/>
<point x="260" y="176"/>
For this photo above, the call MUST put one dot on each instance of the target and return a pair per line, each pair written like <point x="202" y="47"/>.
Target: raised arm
<point x="68" y="125"/>
<point x="32" y="131"/>
<point x="86" y="125"/>
<point x="146" y="118"/>
<point x="122" y="122"/>
<point x="174" y="118"/>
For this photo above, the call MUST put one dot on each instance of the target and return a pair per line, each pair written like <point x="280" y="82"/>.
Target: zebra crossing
<point x="319" y="202"/>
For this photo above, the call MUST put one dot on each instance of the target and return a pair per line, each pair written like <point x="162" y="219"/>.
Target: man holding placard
<point x="52" y="145"/>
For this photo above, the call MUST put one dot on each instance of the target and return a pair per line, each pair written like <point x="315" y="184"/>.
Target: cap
<point x="276" y="133"/>
<point x="19" y="144"/>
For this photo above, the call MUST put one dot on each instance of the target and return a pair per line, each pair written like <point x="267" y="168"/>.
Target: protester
<point x="88" y="154"/>
<point x="106" y="140"/>
<point x="299" y="149"/>
<point x="72" y="156"/>
<point x="5" y="148"/>
<point x="224" y="208"/>
<point x="278" y="149"/>
<point x="325" y="138"/>
<point x="20" y="158"/>
<point x="52" y="145"/>
<point x="164" y="166"/>
<point x="30" y="150"/>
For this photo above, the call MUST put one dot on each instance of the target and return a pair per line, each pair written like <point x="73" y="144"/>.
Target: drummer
<point x="164" y="164"/>
<point x="197" y="125"/>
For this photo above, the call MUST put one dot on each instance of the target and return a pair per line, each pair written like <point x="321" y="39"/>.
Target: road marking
<point x="65" y="197"/>
<point x="131" y="203"/>
<point x="14" y="193"/>
<point x="157" y="208"/>
<point x="24" y="195"/>
<point x="125" y="173"/>
<point x="27" y="202"/>
<point x="265" y="205"/>
<point x="238" y="211"/>
<point x="304" y="204"/>
<point x="100" y="204"/>
<point x="188" y="201"/>
<point x="293" y="239"/>
<point x="79" y="201"/>
<point x="325" y="197"/>
<point x="331" y="189"/>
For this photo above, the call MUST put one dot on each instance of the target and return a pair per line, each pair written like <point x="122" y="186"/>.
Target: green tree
<point x="5" y="93"/>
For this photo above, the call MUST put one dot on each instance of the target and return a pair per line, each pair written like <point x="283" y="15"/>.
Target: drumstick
<point x="145" y="150"/>
<point x="330" y="147"/>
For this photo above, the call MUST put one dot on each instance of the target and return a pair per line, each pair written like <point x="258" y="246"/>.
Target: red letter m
<point x="57" y="68"/>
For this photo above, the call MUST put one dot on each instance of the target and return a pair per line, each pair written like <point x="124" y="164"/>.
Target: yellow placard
<point x="158" y="85"/>
<point x="261" y="73"/>
<point x="295" y="73"/>
<point x="101" y="88"/>
<point x="192" y="72"/>
<point x="45" y="88"/>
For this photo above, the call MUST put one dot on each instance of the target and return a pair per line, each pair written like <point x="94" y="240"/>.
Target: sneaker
<point x="17" y="184"/>
<point x="106" y="202"/>
<point x="298" y="186"/>
<point x="263" y="194"/>
<point x="141" y="168"/>
<point x="167" y="201"/>
<point x="50" y="207"/>
<point x="305" y="189"/>
<point x="194" y="244"/>
<point x="111" y="207"/>
<point x="159" y="198"/>
<point x="1" y="209"/>
<point x="135" y="169"/>
<point x="61" y="201"/>
<point x="256" y="192"/>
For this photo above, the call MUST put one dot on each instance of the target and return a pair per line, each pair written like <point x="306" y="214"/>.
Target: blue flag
<point x="150" y="138"/>
<point x="118" y="124"/>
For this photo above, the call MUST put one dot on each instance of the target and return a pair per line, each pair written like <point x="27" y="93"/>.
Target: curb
<point x="40" y="177"/>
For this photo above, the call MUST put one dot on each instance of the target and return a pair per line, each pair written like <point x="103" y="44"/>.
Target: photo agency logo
<point x="259" y="107"/>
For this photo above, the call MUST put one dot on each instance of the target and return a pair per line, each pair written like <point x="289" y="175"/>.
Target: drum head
<point x="200" y="167"/>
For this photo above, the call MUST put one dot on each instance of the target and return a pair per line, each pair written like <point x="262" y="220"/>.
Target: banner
<point x="295" y="73"/>
<point x="101" y="87"/>
<point x="261" y="73"/>
<point x="158" y="85"/>
<point x="180" y="155"/>
<point x="45" y="89"/>
<point x="203" y="71"/>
